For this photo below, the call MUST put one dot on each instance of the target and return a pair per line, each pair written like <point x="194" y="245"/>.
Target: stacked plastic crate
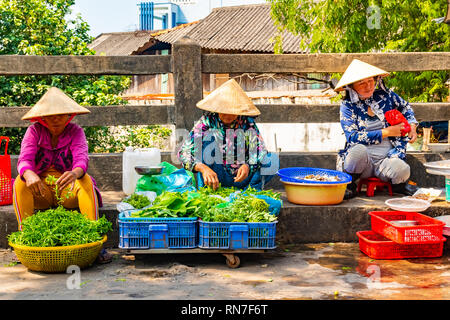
<point x="184" y="233"/>
<point x="157" y="233"/>
<point x="237" y="235"/>
<point x="400" y="235"/>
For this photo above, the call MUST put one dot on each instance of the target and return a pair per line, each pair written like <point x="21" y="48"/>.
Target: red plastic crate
<point x="378" y="247"/>
<point x="5" y="175"/>
<point x="428" y="229"/>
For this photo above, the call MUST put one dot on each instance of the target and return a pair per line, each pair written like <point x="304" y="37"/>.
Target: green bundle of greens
<point x="221" y="191"/>
<point x="178" y="205"/>
<point x="269" y="193"/>
<point x="59" y="227"/>
<point x="242" y="209"/>
<point x="210" y="206"/>
<point x="138" y="201"/>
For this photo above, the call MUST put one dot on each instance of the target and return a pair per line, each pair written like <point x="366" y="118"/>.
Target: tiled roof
<point x="241" y="28"/>
<point x="121" y="43"/>
<point x="172" y="35"/>
<point x="238" y="28"/>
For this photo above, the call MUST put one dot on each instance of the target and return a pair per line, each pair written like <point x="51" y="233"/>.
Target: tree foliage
<point x="45" y="27"/>
<point x="347" y="26"/>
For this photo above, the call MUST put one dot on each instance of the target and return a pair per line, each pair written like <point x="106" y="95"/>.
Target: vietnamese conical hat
<point x="54" y="102"/>
<point x="356" y="71"/>
<point x="229" y="98"/>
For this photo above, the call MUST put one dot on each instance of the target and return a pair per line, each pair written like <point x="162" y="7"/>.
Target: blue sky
<point x="122" y="15"/>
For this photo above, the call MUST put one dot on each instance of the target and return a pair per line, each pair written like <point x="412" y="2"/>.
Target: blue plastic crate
<point x="297" y="174"/>
<point x="237" y="235"/>
<point x="157" y="233"/>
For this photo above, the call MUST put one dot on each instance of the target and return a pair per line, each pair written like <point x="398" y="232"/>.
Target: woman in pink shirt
<point x="54" y="146"/>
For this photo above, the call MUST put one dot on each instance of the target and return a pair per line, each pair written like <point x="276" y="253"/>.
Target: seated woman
<point x="225" y="146"/>
<point x="54" y="146"/>
<point x="373" y="147"/>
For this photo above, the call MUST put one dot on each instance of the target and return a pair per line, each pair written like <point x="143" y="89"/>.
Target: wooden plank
<point x="323" y="62"/>
<point x="88" y="65"/>
<point x="319" y="113"/>
<point x="165" y="114"/>
<point x="101" y="116"/>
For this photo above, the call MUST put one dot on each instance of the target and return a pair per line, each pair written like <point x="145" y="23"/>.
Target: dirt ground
<point x="311" y="271"/>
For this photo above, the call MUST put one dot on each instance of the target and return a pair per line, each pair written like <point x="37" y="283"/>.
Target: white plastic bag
<point x="123" y="206"/>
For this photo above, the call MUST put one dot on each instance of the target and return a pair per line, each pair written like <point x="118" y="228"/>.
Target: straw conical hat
<point x="229" y="98"/>
<point x="358" y="70"/>
<point x="53" y="102"/>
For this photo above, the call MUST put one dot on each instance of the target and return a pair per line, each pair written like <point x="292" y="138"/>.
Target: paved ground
<point x="310" y="271"/>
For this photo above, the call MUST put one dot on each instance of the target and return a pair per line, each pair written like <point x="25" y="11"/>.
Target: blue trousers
<point x="255" y="180"/>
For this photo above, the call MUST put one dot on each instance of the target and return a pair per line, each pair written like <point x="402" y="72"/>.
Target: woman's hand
<point x="67" y="178"/>
<point x="34" y="183"/>
<point x="413" y="133"/>
<point x="242" y="173"/>
<point x="209" y="176"/>
<point x="393" y="131"/>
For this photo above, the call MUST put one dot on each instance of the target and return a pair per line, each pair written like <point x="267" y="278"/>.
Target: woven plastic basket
<point x="57" y="259"/>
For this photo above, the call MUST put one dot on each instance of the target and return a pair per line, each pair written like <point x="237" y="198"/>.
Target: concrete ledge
<point x="297" y="224"/>
<point x="338" y="223"/>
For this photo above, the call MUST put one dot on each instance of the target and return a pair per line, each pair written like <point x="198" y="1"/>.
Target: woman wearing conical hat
<point x="225" y="146"/>
<point x="52" y="145"/>
<point x="373" y="148"/>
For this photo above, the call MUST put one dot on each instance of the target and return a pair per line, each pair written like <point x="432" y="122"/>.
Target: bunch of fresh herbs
<point x="138" y="201"/>
<point x="59" y="227"/>
<point x="211" y="206"/>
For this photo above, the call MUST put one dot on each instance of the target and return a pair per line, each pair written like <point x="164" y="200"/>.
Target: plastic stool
<point x="373" y="184"/>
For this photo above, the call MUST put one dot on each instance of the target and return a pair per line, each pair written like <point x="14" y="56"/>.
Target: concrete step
<point x="297" y="223"/>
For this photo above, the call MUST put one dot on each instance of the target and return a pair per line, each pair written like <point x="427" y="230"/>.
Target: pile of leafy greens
<point x="138" y="201"/>
<point x="59" y="227"/>
<point x="211" y="206"/>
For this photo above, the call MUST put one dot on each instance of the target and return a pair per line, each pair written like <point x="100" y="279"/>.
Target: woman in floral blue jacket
<point x="373" y="147"/>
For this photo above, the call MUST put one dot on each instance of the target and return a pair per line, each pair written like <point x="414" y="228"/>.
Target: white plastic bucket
<point x="136" y="157"/>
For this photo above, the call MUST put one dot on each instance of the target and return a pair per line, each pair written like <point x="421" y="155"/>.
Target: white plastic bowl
<point x="439" y="147"/>
<point x="408" y="204"/>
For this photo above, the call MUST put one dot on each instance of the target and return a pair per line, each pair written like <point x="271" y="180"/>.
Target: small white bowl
<point x="439" y="147"/>
<point x="408" y="204"/>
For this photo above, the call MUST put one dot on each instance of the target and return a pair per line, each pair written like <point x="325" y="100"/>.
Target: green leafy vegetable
<point x="51" y="180"/>
<point x="138" y="201"/>
<point x="269" y="193"/>
<point x="210" y="205"/>
<point x="59" y="227"/>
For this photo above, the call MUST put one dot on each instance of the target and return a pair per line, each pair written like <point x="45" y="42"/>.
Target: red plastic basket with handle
<point x="378" y="247"/>
<point x="427" y="229"/>
<point x="5" y="175"/>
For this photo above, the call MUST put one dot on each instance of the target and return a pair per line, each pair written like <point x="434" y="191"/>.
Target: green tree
<point x="347" y="26"/>
<point x="44" y="27"/>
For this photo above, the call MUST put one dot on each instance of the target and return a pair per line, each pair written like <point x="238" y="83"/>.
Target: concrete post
<point x="187" y="73"/>
<point x="188" y="86"/>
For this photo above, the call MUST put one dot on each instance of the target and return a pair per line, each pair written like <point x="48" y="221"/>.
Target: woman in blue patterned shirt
<point x="373" y="147"/>
<point x="225" y="146"/>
